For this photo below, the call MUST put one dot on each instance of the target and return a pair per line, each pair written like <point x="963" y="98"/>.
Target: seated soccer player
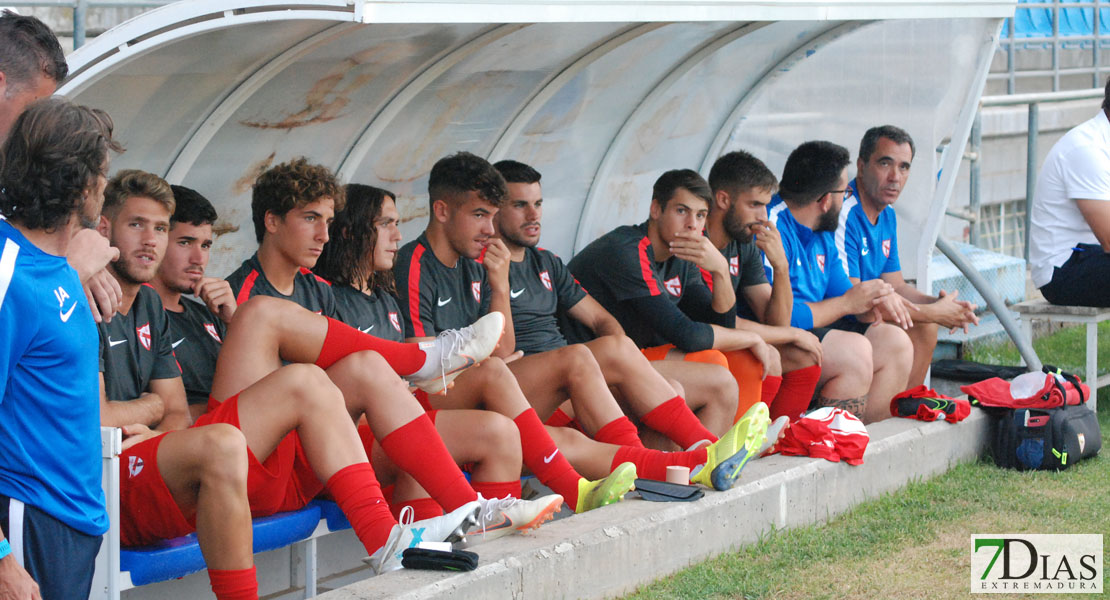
<point x="866" y="360"/>
<point x="542" y="289"/>
<point x="183" y="272"/>
<point x="737" y="225"/>
<point x="442" y="285"/>
<point x="867" y="240"/>
<point x="648" y="276"/>
<point x="141" y="376"/>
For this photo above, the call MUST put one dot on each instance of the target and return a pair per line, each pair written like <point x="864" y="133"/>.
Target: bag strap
<point x="1070" y="378"/>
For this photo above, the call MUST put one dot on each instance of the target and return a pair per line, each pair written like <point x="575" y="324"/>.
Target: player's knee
<point x="794" y="358"/>
<point x="312" y="389"/>
<point x="856" y="358"/>
<point x="222" y="454"/>
<point x="725" y="389"/>
<point x="577" y="360"/>
<point x="502" y="438"/>
<point x="260" y="309"/>
<point x="892" y="344"/>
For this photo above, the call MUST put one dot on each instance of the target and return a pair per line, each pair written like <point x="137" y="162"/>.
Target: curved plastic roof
<point x="601" y="97"/>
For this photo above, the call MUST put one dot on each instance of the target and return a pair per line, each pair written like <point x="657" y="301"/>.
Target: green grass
<point x="913" y="543"/>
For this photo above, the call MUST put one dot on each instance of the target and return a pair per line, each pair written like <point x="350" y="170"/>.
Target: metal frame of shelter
<point x="198" y="86"/>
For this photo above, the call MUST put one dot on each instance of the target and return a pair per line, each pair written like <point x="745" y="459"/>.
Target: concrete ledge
<point x="611" y="551"/>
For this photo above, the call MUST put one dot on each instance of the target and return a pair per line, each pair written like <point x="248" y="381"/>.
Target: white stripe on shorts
<point x="15" y="529"/>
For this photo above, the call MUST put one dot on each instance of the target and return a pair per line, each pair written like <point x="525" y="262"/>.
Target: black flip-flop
<point x="661" y="491"/>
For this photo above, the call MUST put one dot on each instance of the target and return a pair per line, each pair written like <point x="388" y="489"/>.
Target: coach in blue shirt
<point x="867" y="241"/>
<point x="847" y="317"/>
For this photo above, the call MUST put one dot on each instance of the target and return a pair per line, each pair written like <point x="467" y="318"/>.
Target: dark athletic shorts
<point x="1084" y="280"/>
<point x="59" y="558"/>
<point x="841" y="324"/>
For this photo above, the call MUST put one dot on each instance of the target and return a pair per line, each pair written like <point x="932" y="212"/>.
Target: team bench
<point x="119" y="569"/>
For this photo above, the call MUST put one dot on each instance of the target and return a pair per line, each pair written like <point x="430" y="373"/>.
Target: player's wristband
<point x="5" y="549"/>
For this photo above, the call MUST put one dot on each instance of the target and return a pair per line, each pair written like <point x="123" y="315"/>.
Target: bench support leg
<point x="310" y="568"/>
<point x="1092" y="363"/>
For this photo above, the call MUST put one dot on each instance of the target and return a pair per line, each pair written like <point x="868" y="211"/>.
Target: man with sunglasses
<point x="852" y="321"/>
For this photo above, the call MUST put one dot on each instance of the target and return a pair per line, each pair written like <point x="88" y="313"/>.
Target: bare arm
<point x="778" y="302"/>
<point x="592" y="314"/>
<point x="496" y="262"/>
<point x="1097" y="215"/>
<point x="145" y="410"/>
<point x="176" y="414"/>
<point x="945" y="310"/>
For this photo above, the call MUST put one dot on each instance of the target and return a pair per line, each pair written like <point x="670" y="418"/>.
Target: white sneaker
<point x="455" y="350"/>
<point x="451" y="527"/>
<point x="775" y="432"/>
<point x="502" y="516"/>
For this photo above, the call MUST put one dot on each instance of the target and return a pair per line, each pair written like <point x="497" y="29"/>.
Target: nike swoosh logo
<point x="112" y="342"/>
<point x="177" y="343"/>
<point x="442" y="302"/>
<point x="367" y="330"/>
<point x="548" y="459"/>
<point x="64" y="316"/>
<point x="513" y="294"/>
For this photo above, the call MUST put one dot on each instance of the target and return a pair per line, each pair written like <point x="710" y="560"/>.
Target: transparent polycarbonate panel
<point x="568" y="138"/>
<point x="157" y="100"/>
<point x="468" y="108"/>
<point x="674" y="128"/>
<point x="913" y="74"/>
<point x="317" y="106"/>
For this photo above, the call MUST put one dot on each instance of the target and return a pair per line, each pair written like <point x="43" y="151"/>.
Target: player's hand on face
<point x="217" y="296"/>
<point x="699" y="249"/>
<point x="768" y="240"/>
<point x="135" y="434"/>
<point x="16" y="582"/>
<point x="496" y="262"/>
<point x="104" y="295"/>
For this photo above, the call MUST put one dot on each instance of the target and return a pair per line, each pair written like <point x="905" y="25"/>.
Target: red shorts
<point x="148" y="512"/>
<point x="284" y="481"/>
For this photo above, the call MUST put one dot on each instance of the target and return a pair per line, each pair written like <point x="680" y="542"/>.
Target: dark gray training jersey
<point x="136" y="348"/>
<point x="376" y="314"/>
<point x="435" y="297"/>
<point x="540" y="287"/>
<point x="197" y="337"/>
<point x="309" y="289"/>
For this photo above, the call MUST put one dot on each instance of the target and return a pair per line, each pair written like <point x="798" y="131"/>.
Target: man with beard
<point x="806" y="211"/>
<point x="867" y="240"/>
<point x="737" y="225"/>
<point x="542" y="291"/>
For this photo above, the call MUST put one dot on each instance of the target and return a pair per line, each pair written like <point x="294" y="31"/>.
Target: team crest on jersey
<point x="673" y="286"/>
<point x="545" y="279"/>
<point x="134" y="466"/>
<point x="144" y="335"/>
<point x="211" y="329"/>
<point x="734" y="266"/>
<point x="821" y="262"/>
<point x="476" y="289"/>
<point x="886" y="247"/>
<point x="395" y="321"/>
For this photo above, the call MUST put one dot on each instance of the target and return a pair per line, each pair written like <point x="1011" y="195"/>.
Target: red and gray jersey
<point x="197" y="337"/>
<point x="136" y="348"/>
<point x="621" y="266"/>
<point x="435" y="297"/>
<point x="540" y="287"/>
<point x="377" y="314"/>
<point x="309" y="289"/>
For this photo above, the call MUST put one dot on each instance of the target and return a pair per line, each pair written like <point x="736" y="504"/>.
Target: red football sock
<point x="422" y="508"/>
<point x="559" y="419"/>
<point x="771" y="385"/>
<point x="652" y="464"/>
<point x="544" y="458"/>
<point x="417" y="449"/>
<point x="497" y="489"/>
<point x="796" y="392"/>
<point x="359" y="496"/>
<point x="342" y="340"/>
<point x="237" y="584"/>
<point x="676" y="421"/>
<point x="620" y="432"/>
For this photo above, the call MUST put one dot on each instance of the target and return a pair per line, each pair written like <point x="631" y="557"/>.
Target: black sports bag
<point x="1045" y="438"/>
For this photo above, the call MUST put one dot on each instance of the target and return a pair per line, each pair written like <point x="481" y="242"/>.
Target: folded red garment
<point x="830" y="433"/>
<point x="926" y="404"/>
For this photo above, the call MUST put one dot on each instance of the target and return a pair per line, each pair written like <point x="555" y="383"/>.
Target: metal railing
<point x="81" y="10"/>
<point x="1009" y="44"/>
<point x="974" y="152"/>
